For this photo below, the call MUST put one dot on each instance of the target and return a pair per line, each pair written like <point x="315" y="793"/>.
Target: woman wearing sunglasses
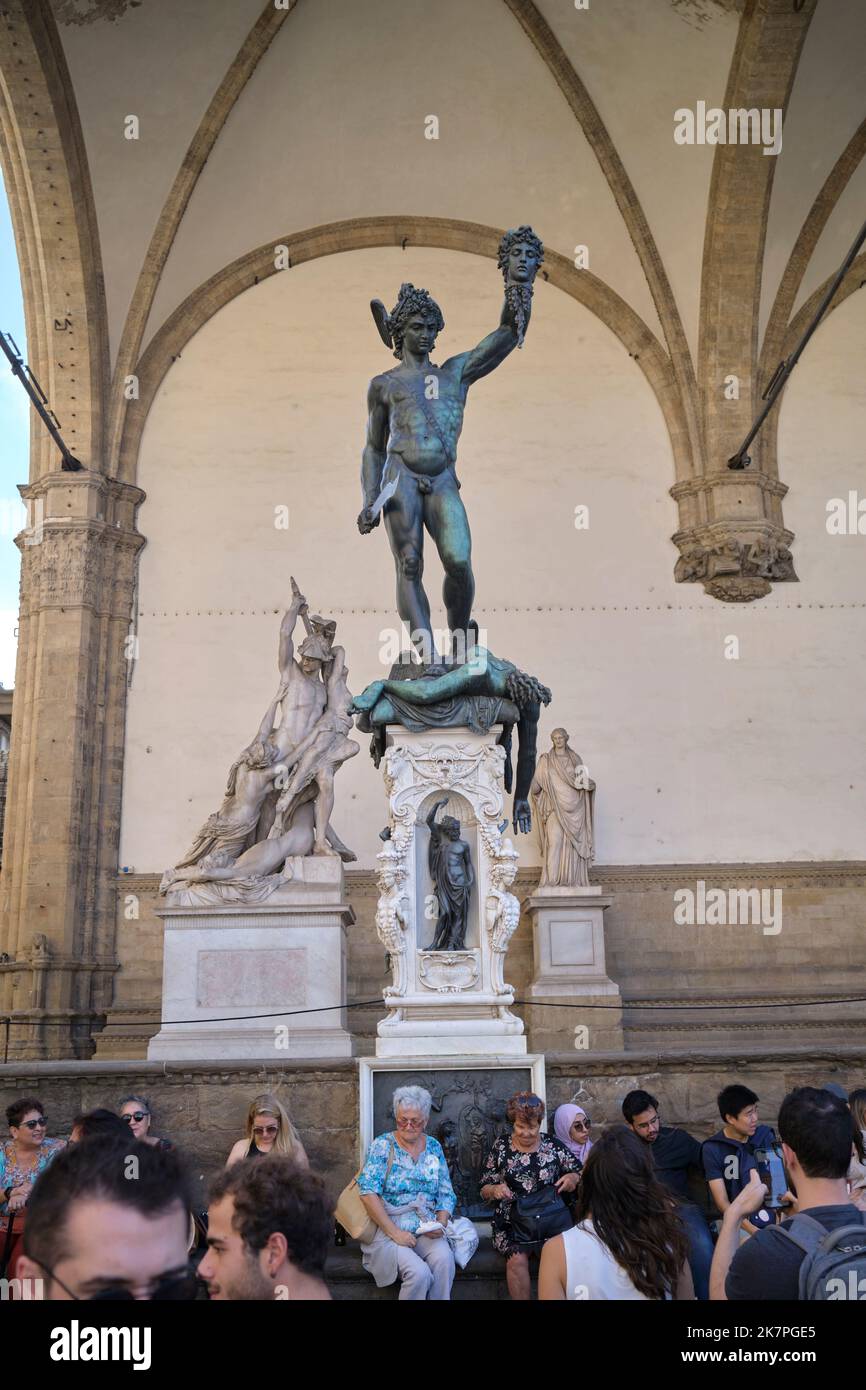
<point x="135" y="1111"/>
<point x="571" y="1125"/>
<point x="269" y="1129"/>
<point x="22" y="1158"/>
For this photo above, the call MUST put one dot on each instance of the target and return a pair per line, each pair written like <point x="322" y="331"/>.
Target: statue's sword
<point x="387" y="492"/>
<point x="305" y="611"/>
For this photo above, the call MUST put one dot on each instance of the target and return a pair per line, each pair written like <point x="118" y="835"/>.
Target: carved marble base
<point x="446" y="1003"/>
<point x="570" y="972"/>
<point x="226" y="966"/>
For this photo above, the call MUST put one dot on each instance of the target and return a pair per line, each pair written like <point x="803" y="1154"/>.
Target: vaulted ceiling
<point x="257" y="125"/>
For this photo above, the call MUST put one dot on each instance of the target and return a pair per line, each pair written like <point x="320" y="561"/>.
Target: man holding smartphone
<point x="816" y="1130"/>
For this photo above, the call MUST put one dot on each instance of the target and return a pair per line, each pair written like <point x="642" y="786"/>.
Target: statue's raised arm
<point x="431" y="817"/>
<point x="297" y="606"/>
<point x="520" y="255"/>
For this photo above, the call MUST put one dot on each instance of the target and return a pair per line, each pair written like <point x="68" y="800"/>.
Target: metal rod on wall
<point x="777" y="381"/>
<point x="38" y="400"/>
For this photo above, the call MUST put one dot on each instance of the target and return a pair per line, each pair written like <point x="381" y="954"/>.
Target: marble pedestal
<point x="569" y="971"/>
<point x="224" y="964"/>
<point x="446" y="1003"/>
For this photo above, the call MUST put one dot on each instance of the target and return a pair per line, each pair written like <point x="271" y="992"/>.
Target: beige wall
<point x="698" y="758"/>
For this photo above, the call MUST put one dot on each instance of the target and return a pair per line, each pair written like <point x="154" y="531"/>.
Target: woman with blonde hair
<point x="269" y="1130"/>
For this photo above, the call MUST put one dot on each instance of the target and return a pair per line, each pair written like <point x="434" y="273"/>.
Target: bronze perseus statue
<point x="408" y="472"/>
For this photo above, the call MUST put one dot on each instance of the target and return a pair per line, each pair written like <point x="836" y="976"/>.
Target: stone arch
<point x="241" y="69"/>
<point x="543" y="39"/>
<point x="54" y="219"/>
<point x="362" y="233"/>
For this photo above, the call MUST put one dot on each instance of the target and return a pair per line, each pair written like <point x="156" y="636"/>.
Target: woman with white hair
<point x="406" y="1188"/>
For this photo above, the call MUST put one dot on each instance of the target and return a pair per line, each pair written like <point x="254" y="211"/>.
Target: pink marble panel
<point x="242" y="979"/>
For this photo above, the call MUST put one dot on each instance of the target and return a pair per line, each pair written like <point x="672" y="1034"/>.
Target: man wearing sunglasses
<point x="110" y="1220"/>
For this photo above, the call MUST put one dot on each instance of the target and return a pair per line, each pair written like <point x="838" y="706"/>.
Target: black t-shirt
<point x="718" y="1153"/>
<point x="674" y="1153"/>
<point x="767" y="1265"/>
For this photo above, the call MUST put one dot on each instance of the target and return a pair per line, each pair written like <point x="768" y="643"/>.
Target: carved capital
<point x="732" y="538"/>
<point x="735" y="564"/>
<point x="80" y="547"/>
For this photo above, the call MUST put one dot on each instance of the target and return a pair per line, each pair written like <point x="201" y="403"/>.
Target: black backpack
<point x="834" y="1262"/>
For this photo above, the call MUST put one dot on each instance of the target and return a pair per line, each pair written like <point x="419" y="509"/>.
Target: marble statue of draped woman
<point x="564" y="806"/>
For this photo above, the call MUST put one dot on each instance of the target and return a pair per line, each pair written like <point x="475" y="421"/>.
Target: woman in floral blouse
<point x="22" y="1158"/>
<point x="521" y="1162"/>
<point x="404" y="1184"/>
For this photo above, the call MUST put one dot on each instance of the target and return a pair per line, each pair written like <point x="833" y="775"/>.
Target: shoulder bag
<point x="351" y="1213"/>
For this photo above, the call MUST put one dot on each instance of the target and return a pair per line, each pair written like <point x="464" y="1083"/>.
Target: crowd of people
<point x="645" y="1211"/>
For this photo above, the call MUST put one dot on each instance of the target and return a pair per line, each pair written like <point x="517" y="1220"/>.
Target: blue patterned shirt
<point x="12" y="1174"/>
<point x="427" y="1179"/>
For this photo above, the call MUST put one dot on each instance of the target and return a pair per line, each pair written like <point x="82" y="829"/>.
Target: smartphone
<point x="771" y="1167"/>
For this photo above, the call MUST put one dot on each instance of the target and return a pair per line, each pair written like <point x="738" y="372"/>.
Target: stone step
<point x="483" y="1280"/>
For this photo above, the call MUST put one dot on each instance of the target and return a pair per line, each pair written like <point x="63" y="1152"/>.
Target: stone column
<point x="57" y="915"/>
<point x="732" y="537"/>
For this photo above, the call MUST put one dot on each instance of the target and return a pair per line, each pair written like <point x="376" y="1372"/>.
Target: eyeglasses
<point x="410" y="1124"/>
<point x="137" y="1115"/>
<point x="582" y="1124"/>
<point x="174" y="1288"/>
<point x="260" y="1130"/>
<point x="35" y="1124"/>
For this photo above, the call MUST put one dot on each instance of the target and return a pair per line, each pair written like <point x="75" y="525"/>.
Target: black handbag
<point x="537" y="1216"/>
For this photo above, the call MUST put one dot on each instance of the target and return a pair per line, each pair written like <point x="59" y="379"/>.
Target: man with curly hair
<point x="415" y="417"/>
<point x="269" y="1225"/>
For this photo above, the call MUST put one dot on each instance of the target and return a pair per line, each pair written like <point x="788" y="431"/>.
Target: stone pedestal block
<point x="266" y="981"/>
<point x="575" y="1004"/>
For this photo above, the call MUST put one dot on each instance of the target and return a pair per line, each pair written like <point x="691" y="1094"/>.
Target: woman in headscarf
<point x="571" y="1125"/>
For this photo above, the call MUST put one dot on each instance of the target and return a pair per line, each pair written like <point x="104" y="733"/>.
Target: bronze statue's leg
<point x="404" y="516"/>
<point x="446" y="520"/>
